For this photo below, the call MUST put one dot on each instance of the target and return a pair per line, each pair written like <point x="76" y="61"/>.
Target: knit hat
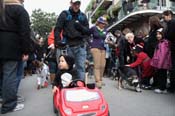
<point x="69" y="60"/>
<point x="160" y="30"/>
<point x="102" y="20"/>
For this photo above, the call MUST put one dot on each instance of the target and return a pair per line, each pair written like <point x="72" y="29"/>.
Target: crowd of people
<point x="66" y="51"/>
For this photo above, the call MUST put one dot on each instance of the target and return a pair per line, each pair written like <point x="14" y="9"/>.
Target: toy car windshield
<point x="81" y="95"/>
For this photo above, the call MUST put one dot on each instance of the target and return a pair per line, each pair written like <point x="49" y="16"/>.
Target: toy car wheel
<point x="58" y="113"/>
<point x="108" y="113"/>
<point x="54" y="108"/>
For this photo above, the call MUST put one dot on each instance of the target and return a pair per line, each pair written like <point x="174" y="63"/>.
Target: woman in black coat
<point x="151" y="42"/>
<point x="14" y="43"/>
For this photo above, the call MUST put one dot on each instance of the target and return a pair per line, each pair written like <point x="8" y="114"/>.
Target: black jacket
<point x="170" y="33"/>
<point x="151" y="43"/>
<point x="57" y="80"/>
<point x="74" y="30"/>
<point x="14" y="33"/>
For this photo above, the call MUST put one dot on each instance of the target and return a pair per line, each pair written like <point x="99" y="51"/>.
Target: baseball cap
<point x="74" y="1"/>
<point x="102" y="20"/>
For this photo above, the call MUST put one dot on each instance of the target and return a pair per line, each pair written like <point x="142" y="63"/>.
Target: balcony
<point x="139" y="12"/>
<point x="103" y="4"/>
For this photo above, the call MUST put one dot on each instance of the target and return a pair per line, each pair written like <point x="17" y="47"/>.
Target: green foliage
<point x="42" y="22"/>
<point x="89" y="7"/>
<point x="99" y="12"/>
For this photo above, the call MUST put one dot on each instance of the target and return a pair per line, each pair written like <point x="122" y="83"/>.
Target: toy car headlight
<point x="68" y="111"/>
<point x="103" y="107"/>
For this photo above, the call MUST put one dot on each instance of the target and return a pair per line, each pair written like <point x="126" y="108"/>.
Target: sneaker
<point x="160" y="91"/>
<point x="20" y="99"/>
<point x="18" y="107"/>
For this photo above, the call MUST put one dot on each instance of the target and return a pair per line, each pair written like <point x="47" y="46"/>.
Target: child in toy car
<point x="65" y="74"/>
<point x="72" y="97"/>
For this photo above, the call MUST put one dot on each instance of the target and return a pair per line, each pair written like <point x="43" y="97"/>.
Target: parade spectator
<point x="145" y="4"/>
<point x="132" y="41"/>
<point x="75" y="28"/>
<point x="143" y="62"/>
<point x="51" y="58"/>
<point x="20" y="70"/>
<point x="98" y="49"/>
<point x="170" y="35"/>
<point x="14" y="42"/>
<point x="40" y="48"/>
<point x="110" y="56"/>
<point x="126" y="30"/>
<point x="161" y="61"/>
<point x="151" y="41"/>
<point x="127" y="6"/>
<point x="120" y="47"/>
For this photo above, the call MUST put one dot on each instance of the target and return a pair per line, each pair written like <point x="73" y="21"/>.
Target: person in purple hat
<point x="98" y="50"/>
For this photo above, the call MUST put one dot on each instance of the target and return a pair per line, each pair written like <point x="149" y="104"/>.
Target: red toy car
<point x="80" y="100"/>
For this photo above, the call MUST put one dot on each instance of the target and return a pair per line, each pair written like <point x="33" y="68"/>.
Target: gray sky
<point x="51" y="5"/>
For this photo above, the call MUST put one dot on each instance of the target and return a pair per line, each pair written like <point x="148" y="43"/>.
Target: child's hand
<point x="127" y="65"/>
<point x="54" y="89"/>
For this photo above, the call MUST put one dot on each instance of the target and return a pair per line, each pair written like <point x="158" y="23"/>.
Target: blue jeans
<point x="9" y="85"/>
<point x="79" y="55"/>
<point x="20" y="72"/>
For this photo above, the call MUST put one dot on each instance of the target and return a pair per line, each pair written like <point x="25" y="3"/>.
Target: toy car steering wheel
<point x="77" y="83"/>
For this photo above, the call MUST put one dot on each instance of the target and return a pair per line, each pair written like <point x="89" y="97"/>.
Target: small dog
<point x="130" y="77"/>
<point x="42" y="71"/>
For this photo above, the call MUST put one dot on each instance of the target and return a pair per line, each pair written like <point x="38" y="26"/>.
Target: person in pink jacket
<point x="161" y="61"/>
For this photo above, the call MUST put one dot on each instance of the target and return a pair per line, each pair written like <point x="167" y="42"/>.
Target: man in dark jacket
<point x="170" y="35"/>
<point x="14" y="44"/>
<point x="75" y="28"/>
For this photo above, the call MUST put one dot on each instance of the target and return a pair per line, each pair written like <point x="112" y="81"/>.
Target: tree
<point x="42" y="22"/>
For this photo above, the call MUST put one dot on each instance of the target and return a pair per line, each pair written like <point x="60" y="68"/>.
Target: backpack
<point x="71" y="31"/>
<point x="69" y="16"/>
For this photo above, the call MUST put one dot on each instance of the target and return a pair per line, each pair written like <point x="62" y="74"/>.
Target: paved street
<point x="121" y="102"/>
